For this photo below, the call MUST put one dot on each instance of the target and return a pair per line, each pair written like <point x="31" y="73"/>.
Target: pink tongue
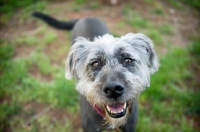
<point x="116" y="107"/>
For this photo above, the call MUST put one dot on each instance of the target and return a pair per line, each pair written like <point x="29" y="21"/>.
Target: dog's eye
<point x="127" y="61"/>
<point x="96" y="64"/>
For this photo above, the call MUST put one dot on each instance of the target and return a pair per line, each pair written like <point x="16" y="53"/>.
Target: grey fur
<point x="110" y="72"/>
<point x="89" y="28"/>
<point x="110" y="53"/>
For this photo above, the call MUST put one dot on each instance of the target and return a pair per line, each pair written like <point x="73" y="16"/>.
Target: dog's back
<point x="89" y="28"/>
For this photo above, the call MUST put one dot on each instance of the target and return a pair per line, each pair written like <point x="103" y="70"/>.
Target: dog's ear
<point x="76" y="58"/>
<point x="144" y="46"/>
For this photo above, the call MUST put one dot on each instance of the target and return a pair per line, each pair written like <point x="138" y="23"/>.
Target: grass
<point x="80" y="5"/>
<point x="50" y="37"/>
<point x="176" y="4"/>
<point x="37" y="78"/>
<point x="29" y="40"/>
<point x="169" y="94"/>
<point x="193" y="3"/>
<point x="24" y="85"/>
<point x="8" y="7"/>
<point x="194" y="49"/>
<point x="165" y="29"/>
<point x="146" y="26"/>
<point x="158" y="11"/>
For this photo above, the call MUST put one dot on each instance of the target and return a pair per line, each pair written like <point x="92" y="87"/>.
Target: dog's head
<point x="111" y="72"/>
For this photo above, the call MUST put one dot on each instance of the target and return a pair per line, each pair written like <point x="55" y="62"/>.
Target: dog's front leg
<point x="91" y="120"/>
<point x="130" y="126"/>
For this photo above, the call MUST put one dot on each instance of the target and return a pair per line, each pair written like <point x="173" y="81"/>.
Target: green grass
<point x="158" y="11"/>
<point x="175" y="3"/>
<point x="50" y="37"/>
<point x="149" y="1"/>
<point x="28" y="40"/>
<point x="193" y="3"/>
<point x="37" y="78"/>
<point x="165" y="29"/>
<point x="18" y="84"/>
<point x="195" y="50"/>
<point x="146" y="26"/>
<point x="168" y="98"/>
<point x="8" y="7"/>
<point x="51" y="92"/>
<point x="155" y="36"/>
<point x="137" y="22"/>
<point x="6" y="54"/>
<point x="8" y="110"/>
<point x="179" y="4"/>
<point x="11" y="5"/>
<point x="80" y="5"/>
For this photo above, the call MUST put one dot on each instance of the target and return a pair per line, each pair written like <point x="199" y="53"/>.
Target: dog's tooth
<point x="125" y="105"/>
<point x="108" y="108"/>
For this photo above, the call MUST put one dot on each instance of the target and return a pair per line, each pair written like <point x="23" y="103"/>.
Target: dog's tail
<point x="55" y="23"/>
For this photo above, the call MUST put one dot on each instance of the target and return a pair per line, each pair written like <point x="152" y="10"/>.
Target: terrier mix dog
<point x="110" y="72"/>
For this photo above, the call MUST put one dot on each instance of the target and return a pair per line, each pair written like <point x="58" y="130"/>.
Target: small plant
<point x="158" y="11"/>
<point x="50" y="37"/>
<point x="42" y="62"/>
<point x="194" y="49"/>
<point x="28" y="40"/>
<point x="76" y="8"/>
<point x="126" y="9"/>
<point x="9" y="6"/>
<point x="149" y="1"/>
<point x="175" y="3"/>
<point x="193" y="3"/>
<point x="139" y="22"/>
<point x="165" y="29"/>
<point x="7" y="110"/>
<point x="94" y="5"/>
<point x="155" y="36"/>
<point x="81" y="1"/>
<point x="6" y="53"/>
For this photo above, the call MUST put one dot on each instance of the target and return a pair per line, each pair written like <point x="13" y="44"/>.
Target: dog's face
<point x="111" y="72"/>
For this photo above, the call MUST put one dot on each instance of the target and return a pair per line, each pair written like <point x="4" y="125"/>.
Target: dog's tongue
<point x="117" y="107"/>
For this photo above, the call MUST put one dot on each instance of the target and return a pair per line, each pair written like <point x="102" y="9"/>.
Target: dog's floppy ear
<point x="76" y="58"/>
<point x="144" y="46"/>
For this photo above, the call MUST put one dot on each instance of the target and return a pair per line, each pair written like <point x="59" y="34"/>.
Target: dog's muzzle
<point x="113" y="90"/>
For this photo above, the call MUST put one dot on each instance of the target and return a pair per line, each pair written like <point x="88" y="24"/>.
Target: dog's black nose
<point x="113" y="89"/>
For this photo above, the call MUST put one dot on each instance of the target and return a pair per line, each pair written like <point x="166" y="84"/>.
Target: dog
<point x="111" y="72"/>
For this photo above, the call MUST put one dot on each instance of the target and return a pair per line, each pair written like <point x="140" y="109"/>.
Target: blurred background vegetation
<point x="34" y="95"/>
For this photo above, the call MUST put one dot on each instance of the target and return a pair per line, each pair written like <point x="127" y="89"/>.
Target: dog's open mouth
<point x="114" y="110"/>
<point x="117" y="110"/>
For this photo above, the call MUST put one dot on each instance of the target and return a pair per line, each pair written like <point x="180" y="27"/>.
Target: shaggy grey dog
<point x="110" y="72"/>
